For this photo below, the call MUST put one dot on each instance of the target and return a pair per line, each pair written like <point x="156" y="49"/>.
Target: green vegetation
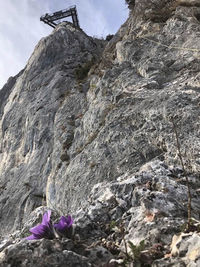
<point x="135" y="253"/>
<point x="189" y="204"/>
<point x="82" y="71"/>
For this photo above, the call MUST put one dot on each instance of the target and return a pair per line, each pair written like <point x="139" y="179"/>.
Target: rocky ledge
<point x="132" y="220"/>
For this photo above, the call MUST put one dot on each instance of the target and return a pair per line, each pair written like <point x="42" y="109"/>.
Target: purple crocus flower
<point x="43" y="230"/>
<point x="64" y="226"/>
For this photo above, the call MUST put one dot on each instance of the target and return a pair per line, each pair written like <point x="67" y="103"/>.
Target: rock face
<point x="64" y="133"/>
<point x="149" y="75"/>
<point x="143" y="204"/>
<point x="32" y="131"/>
<point x="41" y="254"/>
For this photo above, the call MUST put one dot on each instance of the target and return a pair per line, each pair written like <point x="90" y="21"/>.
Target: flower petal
<point x="39" y="229"/>
<point x="63" y="224"/>
<point x="46" y="217"/>
<point x="69" y="221"/>
<point x="42" y="231"/>
<point x="31" y="237"/>
<point x="58" y="227"/>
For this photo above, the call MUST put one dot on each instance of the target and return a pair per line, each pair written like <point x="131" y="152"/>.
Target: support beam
<point x="51" y="19"/>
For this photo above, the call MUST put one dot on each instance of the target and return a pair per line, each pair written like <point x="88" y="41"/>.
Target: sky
<point x="21" y="28"/>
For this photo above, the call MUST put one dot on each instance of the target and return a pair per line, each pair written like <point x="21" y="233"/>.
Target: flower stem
<point x="189" y="204"/>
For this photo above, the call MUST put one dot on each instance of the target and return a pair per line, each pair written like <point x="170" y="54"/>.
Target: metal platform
<point x="51" y="19"/>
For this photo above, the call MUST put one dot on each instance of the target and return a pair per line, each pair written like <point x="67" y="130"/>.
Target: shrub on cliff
<point x="82" y="71"/>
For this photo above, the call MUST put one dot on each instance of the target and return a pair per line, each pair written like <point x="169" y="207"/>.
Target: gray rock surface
<point x="38" y="121"/>
<point x="185" y="251"/>
<point x="6" y="90"/>
<point x="128" y="117"/>
<point x="142" y="204"/>
<point x="63" y="132"/>
<point x="41" y="253"/>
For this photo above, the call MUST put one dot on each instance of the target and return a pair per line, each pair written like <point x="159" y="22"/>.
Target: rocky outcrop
<point x="45" y="253"/>
<point x="40" y="110"/>
<point x="157" y="10"/>
<point x="83" y="116"/>
<point x="150" y="74"/>
<point x="137" y="208"/>
<point x="6" y="90"/>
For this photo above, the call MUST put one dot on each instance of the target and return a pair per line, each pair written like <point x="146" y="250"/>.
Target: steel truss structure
<point x="51" y="19"/>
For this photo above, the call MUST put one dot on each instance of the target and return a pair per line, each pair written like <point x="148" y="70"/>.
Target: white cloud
<point x="21" y="29"/>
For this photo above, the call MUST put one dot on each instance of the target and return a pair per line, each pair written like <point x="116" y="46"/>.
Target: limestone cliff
<point x="63" y="131"/>
<point x="39" y="112"/>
